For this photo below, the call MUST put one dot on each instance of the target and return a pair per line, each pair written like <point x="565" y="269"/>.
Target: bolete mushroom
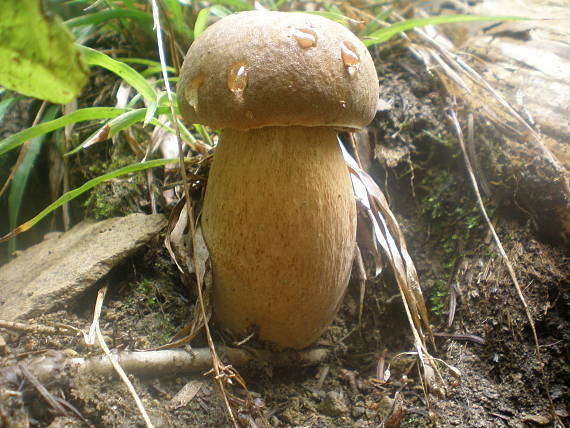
<point x="279" y="215"/>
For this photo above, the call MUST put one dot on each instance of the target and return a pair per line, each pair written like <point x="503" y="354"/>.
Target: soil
<point x="416" y="160"/>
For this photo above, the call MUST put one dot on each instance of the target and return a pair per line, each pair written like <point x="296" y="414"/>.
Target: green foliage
<point x="153" y="67"/>
<point x="104" y="16"/>
<point x="113" y="198"/>
<point x="82" y="115"/>
<point x="235" y="5"/>
<point x="72" y="194"/>
<point x="124" y="71"/>
<point x="117" y="119"/>
<point x="451" y="219"/>
<point x="201" y="22"/>
<point x="43" y="63"/>
<point x="176" y="17"/>
<point x="65" y="75"/>
<point x="146" y="288"/>
<point x="5" y="104"/>
<point x="22" y="175"/>
<point x="438" y="297"/>
<point x="120" y="122"/>
<point x="385" y="34"/>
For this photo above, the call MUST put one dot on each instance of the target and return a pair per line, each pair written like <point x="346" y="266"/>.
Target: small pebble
<point x="358" y="411"/>
<point x="333" y="404"/>
<point x="3" y="347"/>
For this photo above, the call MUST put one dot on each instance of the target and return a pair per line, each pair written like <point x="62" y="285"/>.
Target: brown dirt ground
<point x="426" y="183"/>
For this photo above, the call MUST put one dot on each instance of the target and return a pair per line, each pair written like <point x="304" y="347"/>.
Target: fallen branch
<point x="58" y="329"/>
<point x="170" y="362"/>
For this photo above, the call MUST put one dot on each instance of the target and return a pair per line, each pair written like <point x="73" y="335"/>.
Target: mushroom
<point x="279" y="215"/>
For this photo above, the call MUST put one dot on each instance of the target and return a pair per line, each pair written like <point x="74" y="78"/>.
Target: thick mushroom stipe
<point x="280" y="225"/>
<point x="279" y="214"/>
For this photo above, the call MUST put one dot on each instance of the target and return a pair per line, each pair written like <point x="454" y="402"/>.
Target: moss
<point x="154" y="300"/>
<point x="116" y="197"/>
<point x="414" y="421"/>
<point x="451" y="219"/>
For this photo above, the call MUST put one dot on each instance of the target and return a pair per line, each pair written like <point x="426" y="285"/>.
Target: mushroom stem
<point x="279" y="219"/>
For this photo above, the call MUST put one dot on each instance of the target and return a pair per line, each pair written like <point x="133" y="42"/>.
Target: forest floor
<point x="415" y="159"/>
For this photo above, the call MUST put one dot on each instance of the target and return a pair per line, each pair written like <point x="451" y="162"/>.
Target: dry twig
<point x="222" y="373"/>
<point x="116" y="366"/>
<point x="388" y="234"/>
<point x="57" y="328"/>
<point x="172" y="362"/>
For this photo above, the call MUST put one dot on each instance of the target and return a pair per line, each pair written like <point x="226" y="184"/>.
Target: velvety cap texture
<point x="260" y="68"/>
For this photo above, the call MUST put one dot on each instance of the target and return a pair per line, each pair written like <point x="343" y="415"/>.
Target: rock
<point x="3" y="347"/>
<point x="66" y="422"/>
<point x="520" y="153"/>
<point x="358" y="411"/>
<point x="529" y="63"/>
<point x="537" y="419"/>
<point x="391" y="412"/>
<point x="333" y="404"/>
<point x="54" y="272"/>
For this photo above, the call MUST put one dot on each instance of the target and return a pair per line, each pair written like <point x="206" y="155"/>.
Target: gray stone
<point x="52" y="273"/>
<point x="358" y="411"/>
<point x="3" y="347"/>
<point x="334" y="405"/>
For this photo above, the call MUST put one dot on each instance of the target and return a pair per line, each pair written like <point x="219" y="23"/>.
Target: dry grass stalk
<point x="117" y="367"/>
<point x="222" y="373"/>
<point x="461" y="80"/>
<point x="455" y="121"/>
<point x="385" y="227"/>
<point x="56" y="328"/>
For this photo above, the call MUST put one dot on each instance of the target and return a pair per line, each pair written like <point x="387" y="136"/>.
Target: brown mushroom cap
<point x="260" y="68"/>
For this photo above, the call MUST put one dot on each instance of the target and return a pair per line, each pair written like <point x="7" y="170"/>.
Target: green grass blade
<point x="150" y="112"/>
<point x="387" y="33"/>
<point x="106" y="15"/>
<point x="134" y="101"/>
<point x="5" y="105"/>
<point x="124" y="71"/>
<point x="152" y="65"/>
<point x="153" y="70"/>
<point x="375" y="23"/>
<point x="175" y="14"/>
<point x="201" y="22"/>
<point x="92" y="113"/>
<point x="333" y="16"/>
<point x="117" y="124"/>
<point x="268" y="4"/>
<point x="72" y="194"/>
<point x="220" y="11"/>
<point x="186" y="134"/>
<point x="203" y="133"/>
<point x="20" y="180"/>
<point x="237" y="5"/>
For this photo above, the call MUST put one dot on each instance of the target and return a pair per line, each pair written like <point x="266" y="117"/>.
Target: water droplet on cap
<point x="350" y="58"/>
<point x="197" y="81"/>
<point x="306" y="38"/>
<point x="237" y="77"/>
<point x="192" y="90"/>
